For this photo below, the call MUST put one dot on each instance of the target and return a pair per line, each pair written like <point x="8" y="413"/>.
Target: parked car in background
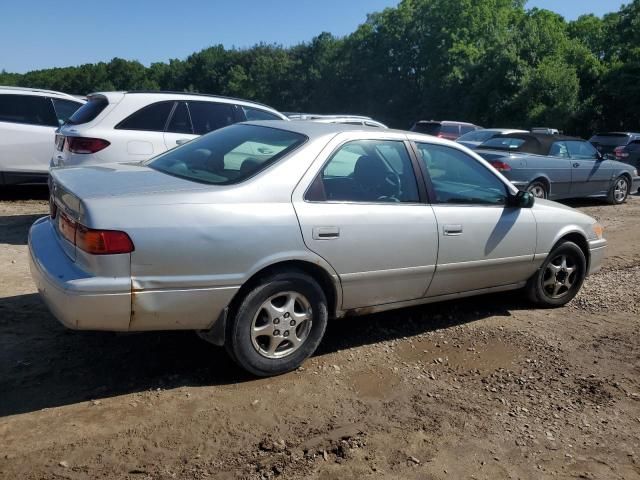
<point x="444" y="129"/>
<point x="630" y="153"/>
<point x="607" y="142"/>
<point x="28" y="120"/>
<point x="476" y="137"/>
<point x="556" y="167"/>
<point x="545" y="130"/>
<point x="334" y="220"/>
<point x="346" y="119"/>
<point x="134" y="126"/>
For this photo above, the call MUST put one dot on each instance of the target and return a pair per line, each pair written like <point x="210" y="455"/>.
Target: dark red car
<point x="444" y="129"/>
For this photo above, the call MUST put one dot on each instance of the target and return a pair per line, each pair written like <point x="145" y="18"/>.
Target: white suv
<point x="134" y="126"/>
<point x="29" y="118"/>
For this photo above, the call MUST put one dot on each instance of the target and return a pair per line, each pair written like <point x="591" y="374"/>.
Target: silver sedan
<point x="256" y="234"/>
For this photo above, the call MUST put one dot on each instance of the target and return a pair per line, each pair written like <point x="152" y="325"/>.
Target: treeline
<point x="491" y="62"/>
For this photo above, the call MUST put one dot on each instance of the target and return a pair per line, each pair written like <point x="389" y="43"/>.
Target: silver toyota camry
<point x="256" y="234"/>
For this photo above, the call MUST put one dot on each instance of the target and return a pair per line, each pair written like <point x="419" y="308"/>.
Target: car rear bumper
<point x="77" y="299"/>
<point x="596" y="254"/>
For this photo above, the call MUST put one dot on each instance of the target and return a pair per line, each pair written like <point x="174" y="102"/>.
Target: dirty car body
<point x="371" y="216"/>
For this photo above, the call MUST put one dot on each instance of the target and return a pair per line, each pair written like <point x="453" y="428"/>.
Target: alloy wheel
<point x="620" y="190"/>
<point x="560" y="275"/>
<point x="281" y="325"/>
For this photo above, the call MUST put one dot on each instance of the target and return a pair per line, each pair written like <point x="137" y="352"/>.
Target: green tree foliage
<point x="492" y="62"/>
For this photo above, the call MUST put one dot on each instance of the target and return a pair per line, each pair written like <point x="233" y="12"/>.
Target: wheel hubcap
<point x="537" y="191"/>
<point x="620" y="190"/>
<point x="559" y="276"/>
<point x="281" y="325"/>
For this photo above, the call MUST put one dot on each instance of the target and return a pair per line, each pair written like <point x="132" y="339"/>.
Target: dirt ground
<point x="485" y="388"/>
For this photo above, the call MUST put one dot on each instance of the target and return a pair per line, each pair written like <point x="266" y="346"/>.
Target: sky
<point x="39" y="34"/>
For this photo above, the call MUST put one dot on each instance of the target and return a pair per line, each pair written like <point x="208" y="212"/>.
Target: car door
<point x="360" y="208"/>
<point x="142" y="132"/>
<point x="27" y="126"/>
<point x="483" y="243"/>
<point x="590" y="173"/>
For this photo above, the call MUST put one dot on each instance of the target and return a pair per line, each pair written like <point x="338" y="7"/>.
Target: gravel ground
<point x="481" y="388"/>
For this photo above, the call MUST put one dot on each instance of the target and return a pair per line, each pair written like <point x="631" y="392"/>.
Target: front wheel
<point x="278" y="324"/>
<point x="560" y="277"/>
<point x="619" y="191"/>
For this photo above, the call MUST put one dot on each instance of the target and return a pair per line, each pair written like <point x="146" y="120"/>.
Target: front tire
<point x="278" y="324"/>
<point x="619" y="191"/>
<point x="560" y="277"/>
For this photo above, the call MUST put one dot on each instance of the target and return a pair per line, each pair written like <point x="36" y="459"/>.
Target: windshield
<point x="229" y="155"/>
<point x="503" y="143"/>
<point x="478" y="136"/>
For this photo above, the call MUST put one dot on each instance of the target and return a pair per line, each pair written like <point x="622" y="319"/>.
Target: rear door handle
<point x="325" y="233"/>
<point x="452" y="230"/>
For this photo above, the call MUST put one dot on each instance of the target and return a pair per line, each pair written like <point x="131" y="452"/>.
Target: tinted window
<point x="209" y="116"/>
<point x="367" y="171"/>
<point x="27" y="109"/>
<point x="229" y="155"/>
<point x="180" y="121"/>
<point x="257" y="114"/>
<point x="467" y="128"/>
<point x="559" y="149"/>
<point x="459" y="178"/>
<point x="610" y="139"/>
<point x="450" y="129"/>
<point x="428" y="128"/>
<point x="64" y="109"/>
<point x="89" y="111"/>
<point x="581" y="150"/>
<point x="151" y="118"/>
<point x="503" y="143"/>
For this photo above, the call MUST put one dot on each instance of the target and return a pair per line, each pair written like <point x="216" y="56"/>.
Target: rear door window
<point x="559" y="149"/>
<point x="89" y="111"/>
<point x="152" y="118"/>
<point x="209" y="116"/>
<point x="428" y="128"/>
<point x="257" y="114"/>
<point x="27" y="109"/>
<point x="180" y="121"/>
<point x="64" y="109"/>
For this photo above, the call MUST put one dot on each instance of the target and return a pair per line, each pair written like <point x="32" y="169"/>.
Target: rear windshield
<point x="503" y="143"/>
<point x="88" y="111"/>
<point x="229" y="155"/>
<point x="610" y="139"/>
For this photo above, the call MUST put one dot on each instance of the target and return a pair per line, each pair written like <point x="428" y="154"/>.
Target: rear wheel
<point x="278" y="324"/>
<point x="538" y="189"/>
<point x="560" y="277"/>
<point x="619" y="191"/>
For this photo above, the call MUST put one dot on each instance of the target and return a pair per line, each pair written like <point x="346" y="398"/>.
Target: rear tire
<point x="619" y="191"/>
<point x="538" y="189"/>
<point x="560" y="277"/>
<point x="278" y="324"/>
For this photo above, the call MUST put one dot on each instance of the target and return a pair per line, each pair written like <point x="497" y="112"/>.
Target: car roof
<point x="195" y="94"/>
<point x="604" y="134"/>
<point x="38" y="91"/>
<point x="445" y="122"/>
<point x="536" y="143"/>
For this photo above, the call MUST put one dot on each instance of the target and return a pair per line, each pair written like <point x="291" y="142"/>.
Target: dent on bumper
<point x="596" y="253"/>
<point x="78" y="300"/>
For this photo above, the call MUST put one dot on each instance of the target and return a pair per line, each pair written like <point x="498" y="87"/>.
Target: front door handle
<point x="576" y="165"/>
<point x="325" y="233"/>
<point x="452" y="230"/>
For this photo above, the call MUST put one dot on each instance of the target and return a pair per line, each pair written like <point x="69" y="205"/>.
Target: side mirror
<point x="522" y="200"/>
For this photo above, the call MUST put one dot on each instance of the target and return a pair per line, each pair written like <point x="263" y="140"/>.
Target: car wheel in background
<point x="538" y="189"/>
<point x="560" y="277"/>
<point x="619" y="191"/>
<point x="278" y="324"/>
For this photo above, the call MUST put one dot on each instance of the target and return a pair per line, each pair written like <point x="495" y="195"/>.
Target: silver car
<point x="256" y="234"/>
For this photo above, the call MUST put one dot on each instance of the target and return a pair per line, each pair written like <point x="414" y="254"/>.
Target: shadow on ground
<point x="43" y="365"/>
<point x="31" y="192"/>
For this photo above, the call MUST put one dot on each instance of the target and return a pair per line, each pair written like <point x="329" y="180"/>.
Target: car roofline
<point x="39" y="90"/>
<point x="195" y="94"/>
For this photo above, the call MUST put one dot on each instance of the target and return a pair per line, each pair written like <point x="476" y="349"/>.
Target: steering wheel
<point x="392" y="179"/>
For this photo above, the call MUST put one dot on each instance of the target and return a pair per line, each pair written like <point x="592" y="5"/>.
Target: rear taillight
<point x="103" y="242"/>
<point x="96" y="242"/>
<point x="86" y="145"/>
<point x="501" y="166"/>
<point x="620" y="153"/>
